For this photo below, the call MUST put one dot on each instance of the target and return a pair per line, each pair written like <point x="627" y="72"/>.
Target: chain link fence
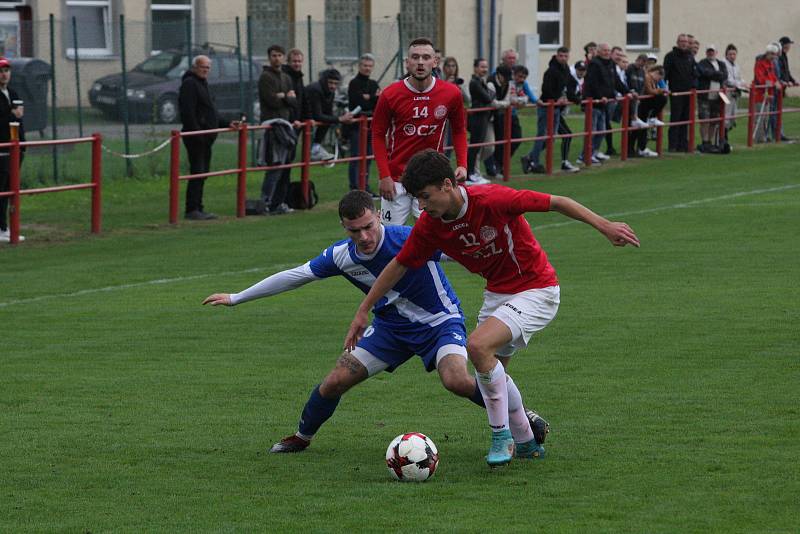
<point x="123" y="81"/>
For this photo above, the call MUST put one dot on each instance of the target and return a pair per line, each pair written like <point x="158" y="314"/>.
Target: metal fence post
<point x="779" y="116"/>
<point x="550" y="142"/>
<point x="692" y="119"/>
<point x="660" y="134"/>
<point x="77" y="75"/>
<point x="507" y="146"/>
<point x="97" y="181"/>
<point x="626" y="116"/>
<point x="251" y="118"/>
<point x="306" y="172"/>
<point x="241" y="185"/>
<point x="363" y="132"/>
<point x="174" y="173"/>
<point x="310" y="50"/>
<point x="241" y="77"/>
<point x="587" y="127"/>
<point x="53" y="114"/>
<point x="124" y="96"/>
<point x="751" y="109"/>
<point x="14" y="186"/>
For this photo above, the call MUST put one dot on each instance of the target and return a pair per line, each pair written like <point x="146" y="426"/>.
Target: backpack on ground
<point x="295" y="198"/>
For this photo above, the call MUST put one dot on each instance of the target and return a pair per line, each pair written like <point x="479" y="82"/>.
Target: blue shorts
<point x="395" y="347"/>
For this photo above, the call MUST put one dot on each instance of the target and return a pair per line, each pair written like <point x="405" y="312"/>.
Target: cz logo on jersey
<point x="422" y="130"/>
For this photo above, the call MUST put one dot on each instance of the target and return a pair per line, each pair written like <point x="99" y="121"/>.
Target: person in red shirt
<point x="410" y="116"/>
<point x="483" y="228"/>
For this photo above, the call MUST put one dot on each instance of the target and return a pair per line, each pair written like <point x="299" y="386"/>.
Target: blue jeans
<point x="541" y="129"/>
<point x="598" y="123"/>
<point x="352" y="171"/>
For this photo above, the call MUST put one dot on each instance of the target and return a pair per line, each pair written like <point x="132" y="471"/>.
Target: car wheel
<point x="167" y="109"/>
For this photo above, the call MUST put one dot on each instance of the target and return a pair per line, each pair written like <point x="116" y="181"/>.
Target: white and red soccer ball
<point x="412" y="457"/>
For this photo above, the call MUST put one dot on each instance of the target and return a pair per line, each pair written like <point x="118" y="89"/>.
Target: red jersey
<point x="489" y="237"/>
<point x="406" y="121"/>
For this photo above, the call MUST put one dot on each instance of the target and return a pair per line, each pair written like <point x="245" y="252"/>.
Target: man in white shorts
<point x="412" y="115"/>
<point x="483" y="228"/>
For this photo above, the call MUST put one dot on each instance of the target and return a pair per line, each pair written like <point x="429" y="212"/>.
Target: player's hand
<point x="620" y="234"/>
<point x="386" y="188"/>
<point x="357" y="327"/>
<point x="460" y="174"/>
<point x="291" y="94"/>
<point x="218" y="299"/>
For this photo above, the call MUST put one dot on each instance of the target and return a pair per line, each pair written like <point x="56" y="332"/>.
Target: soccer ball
<point x="412" y="457"/>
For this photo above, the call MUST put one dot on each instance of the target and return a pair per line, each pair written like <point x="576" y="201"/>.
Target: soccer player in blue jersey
<point x="420" y="315"/>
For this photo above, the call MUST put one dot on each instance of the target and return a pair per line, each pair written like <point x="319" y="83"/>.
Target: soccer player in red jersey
<point x="411" y="115"/>
<point x="483" y="228"/>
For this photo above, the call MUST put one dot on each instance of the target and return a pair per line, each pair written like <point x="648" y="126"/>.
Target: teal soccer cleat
<point x="530" y="450"/>
<point x="502" y="450"/>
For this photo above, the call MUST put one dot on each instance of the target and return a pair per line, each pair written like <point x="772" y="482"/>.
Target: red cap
<point x="4" y="63"/>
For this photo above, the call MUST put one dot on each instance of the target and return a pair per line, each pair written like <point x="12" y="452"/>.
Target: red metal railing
<point x="15" y="191"/>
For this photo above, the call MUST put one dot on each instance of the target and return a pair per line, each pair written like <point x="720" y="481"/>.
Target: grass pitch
<point x="669" y="376"/>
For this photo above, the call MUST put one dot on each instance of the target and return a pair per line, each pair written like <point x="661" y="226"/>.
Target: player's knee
<point x="478" y="349"/>
<point x="347" y="373"/>
<point x="462" y="385"/>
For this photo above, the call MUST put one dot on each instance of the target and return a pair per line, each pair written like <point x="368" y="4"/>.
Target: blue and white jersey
<point x="422" y="297"/>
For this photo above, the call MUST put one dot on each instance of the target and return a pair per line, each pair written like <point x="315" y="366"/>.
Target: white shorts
<point x="395" y="212"/>
<point x="524" y="313"/>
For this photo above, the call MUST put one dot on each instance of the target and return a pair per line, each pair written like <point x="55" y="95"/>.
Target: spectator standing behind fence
<point x="198" y="112"/>
<point x="482" y="96"/>
<point x="362" y="92"/>
<point x="520" y="95"/>
<point x="450" y="74"/>
<point x="558" y="87"/>
<point x="601" y="84"/>
<point x="278" y="100"/>
<point x="502" y="84"/>
<point x="649" y="108"/>
<point x="679" y="73"/>
<point x="736" y="85"/>
<point x="784" y="74"/>
<point x="11" y="111"/>
<point x="712" y="76"/>
<point x="764" y="75"/>
<point x="320" y="95"/>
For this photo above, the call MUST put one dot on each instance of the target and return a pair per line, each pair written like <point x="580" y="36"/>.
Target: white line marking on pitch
<point x="161" y="281"/>
<point x="678" y="206"/>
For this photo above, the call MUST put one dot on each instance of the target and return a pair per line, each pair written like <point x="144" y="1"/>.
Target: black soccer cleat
<point x="539" y="426"/>
<point x="290" y="444"/>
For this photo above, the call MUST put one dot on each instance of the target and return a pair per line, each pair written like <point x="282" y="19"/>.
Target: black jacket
<point x="635" y="76"/>
<point x="558" y="82"/>
<point x="6" y="117"/>
<point x="320" y="100"/>
<point x="707" y="73"/>
<point x="300" y="110"/>
<point x="602" y="80"/>
<point x="197" y="106"/>
<point x="270" y="84"/>
<point x="679" y="70"/>
<point x="359" y="86"/>
<point x="785" y="74"/>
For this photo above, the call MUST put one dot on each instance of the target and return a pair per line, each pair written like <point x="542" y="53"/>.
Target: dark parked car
<point x="153" y="86"/>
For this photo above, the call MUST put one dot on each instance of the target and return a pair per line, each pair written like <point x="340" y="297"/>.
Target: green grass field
<point x="669" y="377"/>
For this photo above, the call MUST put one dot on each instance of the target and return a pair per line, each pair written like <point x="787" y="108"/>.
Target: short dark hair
<point x="477" y="61"/>
<point x="355" y="203"/>
<point x="520" y="68"/>
<point x="587" y="46"/>
<point x="731" y="47"/>
<point x="504" y="71"/>
<point x="421" y="41"/>
<point x="616" y="48"/>
<point x="276" y="48"/>
<point x="562" y="50"/>
<point x="427" y="167"/>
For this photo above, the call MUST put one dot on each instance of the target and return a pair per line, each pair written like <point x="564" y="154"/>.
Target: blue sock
<point x="476" y="397"/>
<point x="317" y="410"/>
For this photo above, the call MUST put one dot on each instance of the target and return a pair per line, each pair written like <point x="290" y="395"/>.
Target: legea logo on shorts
<point x="369" y="331"/>
<point x="440" y="112"/>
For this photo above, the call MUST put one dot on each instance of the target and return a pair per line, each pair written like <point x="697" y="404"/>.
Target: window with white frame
<point x="169" y="21"/>
<point x="639" y="27"/>
<point x="93" y="20"/>
<point x="550" y="23"/>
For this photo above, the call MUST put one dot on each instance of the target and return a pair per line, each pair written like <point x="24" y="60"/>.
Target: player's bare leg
<point x="482" y="345"/>
<point x="322" y="402"/>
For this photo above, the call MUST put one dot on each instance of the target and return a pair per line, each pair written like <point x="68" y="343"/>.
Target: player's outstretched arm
<point x="218" y="299"/>
<point x="619" y="233"/>
<point x="390" y="275"/>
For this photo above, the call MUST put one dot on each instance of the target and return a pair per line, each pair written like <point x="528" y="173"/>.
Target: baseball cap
<point x="580" y="65"/>
<point x="773" y="48"/>
<point x="4" y="63"/>
<point x="711" y="47"/>
<point x="652" y="56"/>
<point x="785" y="40"/>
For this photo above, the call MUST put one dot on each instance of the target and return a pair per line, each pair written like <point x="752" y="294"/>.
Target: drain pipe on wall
<point x="479" y="33"/>
<point x="492" y="17"/>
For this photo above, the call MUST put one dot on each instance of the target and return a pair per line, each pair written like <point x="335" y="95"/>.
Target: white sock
<point x="495" y="395"/>
<point x="518" y="421"/>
